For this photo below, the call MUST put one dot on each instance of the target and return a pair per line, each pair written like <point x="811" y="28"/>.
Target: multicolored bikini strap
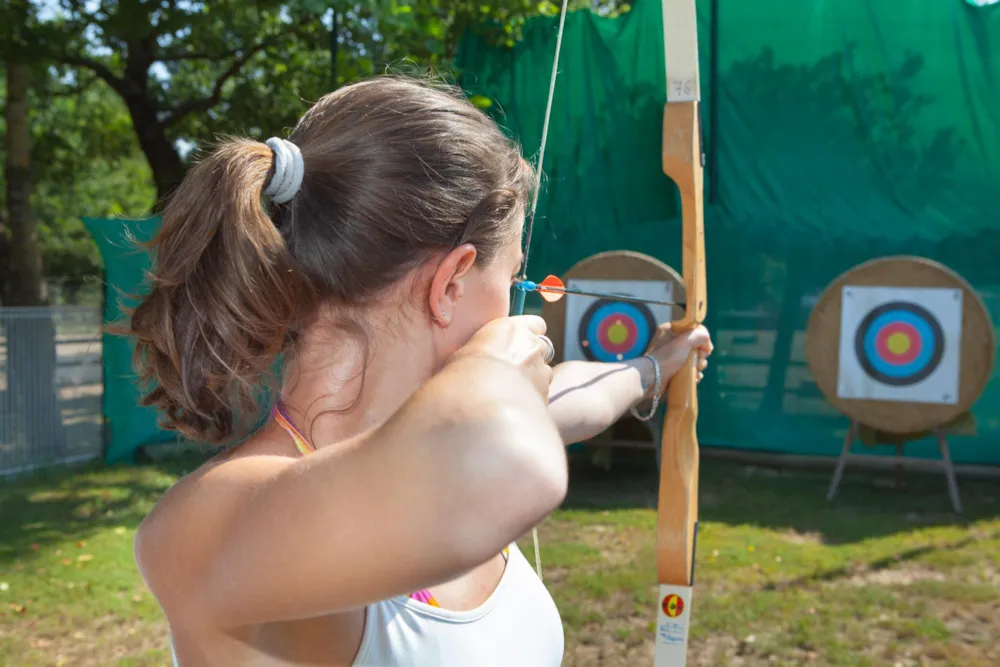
<point x="280" y="414"/>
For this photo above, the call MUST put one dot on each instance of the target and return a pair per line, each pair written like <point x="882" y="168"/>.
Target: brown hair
<point x="396" y="170"/>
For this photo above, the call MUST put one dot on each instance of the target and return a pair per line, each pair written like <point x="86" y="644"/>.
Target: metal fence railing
<point x="51" y="386"/>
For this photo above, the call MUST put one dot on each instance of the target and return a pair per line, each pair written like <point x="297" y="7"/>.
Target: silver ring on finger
<point x="550" y="349"/>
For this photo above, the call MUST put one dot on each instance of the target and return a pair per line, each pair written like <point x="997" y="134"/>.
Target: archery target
<point x="900" y="344"/>
<point x="602" y="329"/>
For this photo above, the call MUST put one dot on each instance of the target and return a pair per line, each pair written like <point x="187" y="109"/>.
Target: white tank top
<point x="517" y="625"/>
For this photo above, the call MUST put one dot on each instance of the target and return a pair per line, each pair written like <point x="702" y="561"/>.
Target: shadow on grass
<point x="868" y="504"/>
<point x="61" y="504"/>
<point x="885" y="563"/>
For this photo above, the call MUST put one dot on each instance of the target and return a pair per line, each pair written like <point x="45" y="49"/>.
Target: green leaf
<point x="481" y="101"/>
<point x="548" y="8"/>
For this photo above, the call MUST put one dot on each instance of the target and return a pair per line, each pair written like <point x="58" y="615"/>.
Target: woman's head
<point x="411" y="199"/>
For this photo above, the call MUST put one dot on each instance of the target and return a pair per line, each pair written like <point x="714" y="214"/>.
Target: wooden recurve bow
<point x="677" y="511"/>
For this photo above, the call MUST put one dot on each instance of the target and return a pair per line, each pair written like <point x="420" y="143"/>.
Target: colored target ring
<point x="899" y="343"/>
<point x="615" y="330"/>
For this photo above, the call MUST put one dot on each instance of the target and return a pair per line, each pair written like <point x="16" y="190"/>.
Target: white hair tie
<point x="289" y="168"/>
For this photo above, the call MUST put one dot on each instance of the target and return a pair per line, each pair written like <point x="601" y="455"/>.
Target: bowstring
<point x="544" y="142"/>
<point x="519" y="294"/>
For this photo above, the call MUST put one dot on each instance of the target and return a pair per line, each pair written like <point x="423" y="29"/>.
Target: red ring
<point x="607" y="323"/>
<point x="882" y="343"/>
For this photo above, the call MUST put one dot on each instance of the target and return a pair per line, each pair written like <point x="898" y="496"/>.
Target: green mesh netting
<point x="128" y="425"/>
<point x="835" y="132"/>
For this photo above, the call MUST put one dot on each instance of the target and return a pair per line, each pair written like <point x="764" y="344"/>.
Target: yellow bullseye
<point x="898" y="343"/>
<point x="617" y="332"/>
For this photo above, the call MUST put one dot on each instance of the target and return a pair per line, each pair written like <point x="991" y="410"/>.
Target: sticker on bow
<point x="673" y="617"/>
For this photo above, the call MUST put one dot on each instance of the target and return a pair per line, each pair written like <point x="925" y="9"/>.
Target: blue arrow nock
<point x="527" y="285"/>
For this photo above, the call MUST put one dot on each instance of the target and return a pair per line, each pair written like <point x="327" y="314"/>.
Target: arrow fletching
<point x="551" y="289"/>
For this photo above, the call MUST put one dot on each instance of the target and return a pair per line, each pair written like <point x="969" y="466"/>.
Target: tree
<point x="188" y="71"/>
<point x="166" y="61"/>
<point x="87" y="163"/>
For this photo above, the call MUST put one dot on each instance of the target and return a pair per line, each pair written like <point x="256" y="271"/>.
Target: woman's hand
<point x="517" y="341"/>
<point x="672" y="350"/>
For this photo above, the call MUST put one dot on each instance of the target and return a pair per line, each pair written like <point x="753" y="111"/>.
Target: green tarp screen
<point x="128" y="425"/>
<point x="836" y="132"/>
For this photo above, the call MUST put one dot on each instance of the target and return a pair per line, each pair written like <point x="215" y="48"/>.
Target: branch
<point x="206" y="103"/>
<point x="117" y="83"/>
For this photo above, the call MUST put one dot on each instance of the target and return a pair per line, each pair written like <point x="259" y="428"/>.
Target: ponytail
<point x="224" y="302"/>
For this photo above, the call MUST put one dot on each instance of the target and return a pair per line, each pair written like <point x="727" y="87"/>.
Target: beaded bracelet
<point x="656" y="392"/>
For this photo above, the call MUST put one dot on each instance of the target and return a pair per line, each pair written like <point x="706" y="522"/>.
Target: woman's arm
<point x="585" y="398"/>
<point x="469" y="463"/>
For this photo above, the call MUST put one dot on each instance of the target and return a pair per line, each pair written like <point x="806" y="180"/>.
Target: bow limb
<point x="677" y="514"/>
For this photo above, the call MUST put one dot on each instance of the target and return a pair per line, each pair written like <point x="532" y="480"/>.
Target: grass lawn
<point x="884" y="576"/>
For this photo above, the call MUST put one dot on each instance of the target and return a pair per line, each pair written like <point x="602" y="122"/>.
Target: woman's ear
<point x="448" y="282"/>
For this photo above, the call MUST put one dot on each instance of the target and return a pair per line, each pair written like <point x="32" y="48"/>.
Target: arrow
<point x="552" y="289"/>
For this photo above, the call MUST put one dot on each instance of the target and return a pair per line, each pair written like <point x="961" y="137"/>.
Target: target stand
<point x="903" y="347"/>
<point x="590" y="328"/>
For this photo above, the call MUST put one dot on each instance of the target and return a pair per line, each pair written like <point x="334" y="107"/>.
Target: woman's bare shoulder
<point x="180" y="536"/>
<point x="237" y="469"/>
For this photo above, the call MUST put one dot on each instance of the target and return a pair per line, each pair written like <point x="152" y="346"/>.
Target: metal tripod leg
<point x="949" y="472"/>
<point x="845" y="453"/>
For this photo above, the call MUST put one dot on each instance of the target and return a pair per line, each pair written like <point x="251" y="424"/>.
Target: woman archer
<point x="418" y="431"/>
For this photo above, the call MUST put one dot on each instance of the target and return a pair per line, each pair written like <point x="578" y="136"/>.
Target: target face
<point x="900" y="344"/>
<point x="600" y="329"/>
<point x="615" y="330"/>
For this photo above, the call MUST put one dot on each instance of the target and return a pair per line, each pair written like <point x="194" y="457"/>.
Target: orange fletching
<point x="552" y="281"/>
<point x="551" y="289"/>
<point x="551" y="297"/>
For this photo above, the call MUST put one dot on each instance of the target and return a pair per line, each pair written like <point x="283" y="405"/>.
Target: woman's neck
<point x="339" y="385"/>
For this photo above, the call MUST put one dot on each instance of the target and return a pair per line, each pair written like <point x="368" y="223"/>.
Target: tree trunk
<point x="32" y="432"/>
<point x="24" y="267"/>
<point x="164" y="160"/>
